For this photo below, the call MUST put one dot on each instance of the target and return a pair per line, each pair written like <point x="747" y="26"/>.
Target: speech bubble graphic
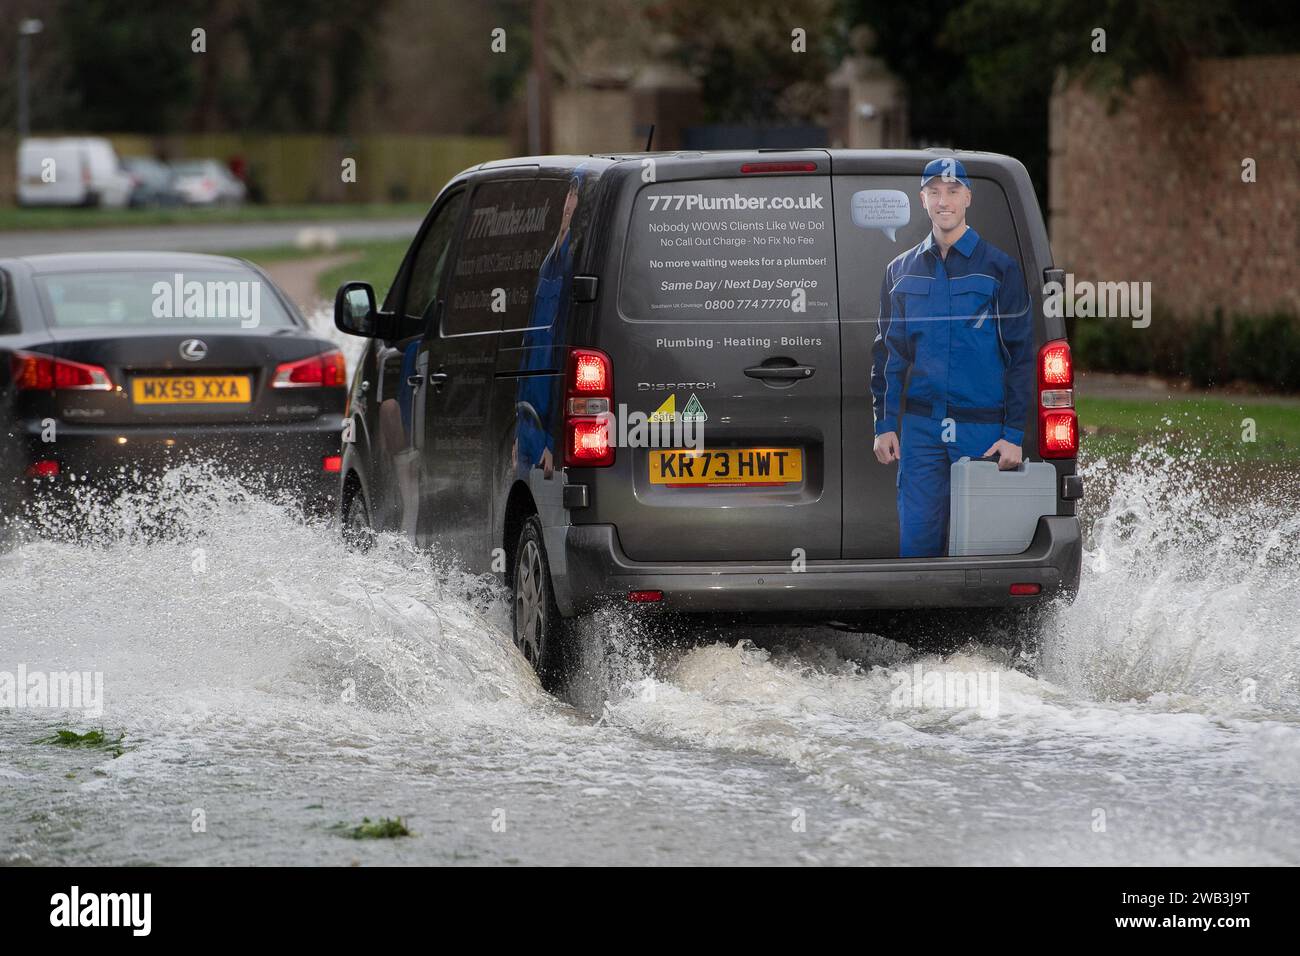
<point x="885" y="209"/>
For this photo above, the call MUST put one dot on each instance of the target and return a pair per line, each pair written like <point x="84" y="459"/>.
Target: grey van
<point x="646" y="379"/>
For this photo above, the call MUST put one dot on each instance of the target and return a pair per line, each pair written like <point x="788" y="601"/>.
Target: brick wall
<point x="1153" y="191"/>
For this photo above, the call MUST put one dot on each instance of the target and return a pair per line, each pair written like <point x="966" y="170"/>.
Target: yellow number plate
<point x="727" y="466"/>
<point x="191" y="389"/>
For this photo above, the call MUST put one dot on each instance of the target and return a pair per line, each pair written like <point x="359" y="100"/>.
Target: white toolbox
<point x="996" y="512"/>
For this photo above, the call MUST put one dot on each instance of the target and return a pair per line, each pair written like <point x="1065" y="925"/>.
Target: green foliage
<point x="979" y="73"/>
<point x="741" y="50"/>
<point x="119" y="55"/>
<point x="90" y="740"/>
<point x="382" y="829"/>
<point x="125" y="66"/>
<point x="1208" y="351"/>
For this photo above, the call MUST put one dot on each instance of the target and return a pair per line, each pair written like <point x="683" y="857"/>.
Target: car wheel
<point x="539" y="631"/>
<point x="357" y="531"/>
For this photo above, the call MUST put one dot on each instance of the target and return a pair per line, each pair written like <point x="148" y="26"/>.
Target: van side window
<point x="429" y="265"/>
<point x="516" y="253"/>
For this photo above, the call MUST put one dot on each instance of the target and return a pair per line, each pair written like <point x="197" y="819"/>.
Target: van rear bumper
<point x="589" y="568"/>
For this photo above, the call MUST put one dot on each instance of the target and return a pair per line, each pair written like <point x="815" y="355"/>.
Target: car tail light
<point x="751" y="168"/>
<point x="1023" y="589"/>
<point x="1058" y="425"/>
<point x="588" y="391"/>
<point x="645" y="597"/>
<point x="33" y="371"/>
<point x="45" y="468"/>
<point x="332" y="464"/>
<point x="327" y="369"/>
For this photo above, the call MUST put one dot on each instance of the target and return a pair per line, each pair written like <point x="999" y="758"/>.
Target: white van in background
<point x="71" y="171"/>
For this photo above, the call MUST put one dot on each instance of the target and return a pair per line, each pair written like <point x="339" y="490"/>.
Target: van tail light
<point x="327" y="369"/>
<point x="332" y="464"/>
<point x="45" y="468"/>
<point x="588" y="393"/>
<point x="33" y="371"/>
<point x="1058" y="425"/>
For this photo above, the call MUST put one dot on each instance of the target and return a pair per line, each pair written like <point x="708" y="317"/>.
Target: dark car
<point x="153" y="182"/>
<point x="115" y="363"/>
<point x="551" y="309"/>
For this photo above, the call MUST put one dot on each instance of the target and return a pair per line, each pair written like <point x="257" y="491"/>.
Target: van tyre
<point x="358" y="535"/>
<point x="540" y="633"/>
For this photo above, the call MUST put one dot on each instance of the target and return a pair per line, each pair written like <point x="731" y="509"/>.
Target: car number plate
<point x="191" y="389"/>
<point x="726" y="467"/>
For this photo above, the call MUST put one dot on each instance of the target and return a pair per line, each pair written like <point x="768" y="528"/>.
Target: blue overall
<point x="953" y="364"/>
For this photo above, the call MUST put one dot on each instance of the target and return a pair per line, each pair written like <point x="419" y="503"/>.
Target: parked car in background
<point x="153" y="182"/>
<point x="206" y="182"/>
<point x="71" y="171"/>
<point x="114" y="364"/>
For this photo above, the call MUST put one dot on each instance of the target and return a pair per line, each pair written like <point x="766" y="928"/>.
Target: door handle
<point x="415" y="381"/>
<point x="780" y="371"/>
<point x="438" y="378"/>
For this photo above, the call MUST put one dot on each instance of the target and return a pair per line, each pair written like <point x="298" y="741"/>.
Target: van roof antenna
<point x="651" y="138"/>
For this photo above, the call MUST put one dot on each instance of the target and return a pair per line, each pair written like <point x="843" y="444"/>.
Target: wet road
<point x="214" y="237"/>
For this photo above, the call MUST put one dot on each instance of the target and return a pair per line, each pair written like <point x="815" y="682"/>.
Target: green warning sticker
<point x="694" y="411"/>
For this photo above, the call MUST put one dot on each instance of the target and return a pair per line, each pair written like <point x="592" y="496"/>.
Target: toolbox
<point x="996" y="512"/>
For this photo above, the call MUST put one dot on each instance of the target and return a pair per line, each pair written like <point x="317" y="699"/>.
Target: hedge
<point x="1208" y="351"/>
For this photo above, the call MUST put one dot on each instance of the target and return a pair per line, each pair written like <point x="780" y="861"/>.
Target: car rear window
<point x="157" y="299"/>
<point x="747" y="250"/>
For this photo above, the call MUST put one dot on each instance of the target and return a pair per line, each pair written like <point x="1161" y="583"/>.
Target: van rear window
<point x="747" y="250"/>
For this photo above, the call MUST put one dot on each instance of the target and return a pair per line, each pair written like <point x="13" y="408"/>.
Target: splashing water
<point x="280" y="684"/>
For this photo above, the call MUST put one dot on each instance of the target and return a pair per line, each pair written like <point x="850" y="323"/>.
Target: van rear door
<point x="878" y="217"/>
<point x="727" y="322"/>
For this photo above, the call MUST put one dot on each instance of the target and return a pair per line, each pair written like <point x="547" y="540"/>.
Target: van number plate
<point x="723" y="467"/>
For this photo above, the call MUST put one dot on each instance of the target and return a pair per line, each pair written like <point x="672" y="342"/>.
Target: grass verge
<point x="377" y="263"/>
<point x="1206" y="427"/>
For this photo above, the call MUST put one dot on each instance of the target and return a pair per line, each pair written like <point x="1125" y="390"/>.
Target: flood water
<point x="271" y="686"/>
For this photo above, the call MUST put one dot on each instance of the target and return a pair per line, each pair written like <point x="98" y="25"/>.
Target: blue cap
<point x="949" y="168"/>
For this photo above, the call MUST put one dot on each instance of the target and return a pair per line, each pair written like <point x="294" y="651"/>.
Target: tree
<point x="980" y="73"/>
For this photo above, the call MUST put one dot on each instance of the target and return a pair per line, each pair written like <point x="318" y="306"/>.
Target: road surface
<point x="214" y="237"/>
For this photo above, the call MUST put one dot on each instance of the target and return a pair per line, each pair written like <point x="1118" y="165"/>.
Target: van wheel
<point x="539" y="632"/>
<point x="357" y="532"/>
